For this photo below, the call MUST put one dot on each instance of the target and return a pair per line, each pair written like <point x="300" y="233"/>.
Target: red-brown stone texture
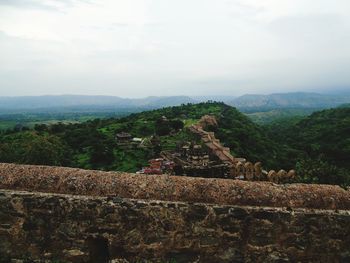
<point x="73" y="215"/>
<point x="46" y="227"/>
<point x="171" y="188"/>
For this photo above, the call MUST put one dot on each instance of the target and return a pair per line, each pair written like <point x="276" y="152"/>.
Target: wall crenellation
<point x="239" y="168"/>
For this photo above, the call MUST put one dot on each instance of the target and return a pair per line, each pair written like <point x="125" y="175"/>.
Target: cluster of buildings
<point x="196" y="160"/>
<point x="206" y="157"/>
<point x="158" y="166"/>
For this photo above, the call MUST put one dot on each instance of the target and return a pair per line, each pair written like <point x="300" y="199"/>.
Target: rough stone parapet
<point x="66" y="228"/>
<point x="171" y="188"/>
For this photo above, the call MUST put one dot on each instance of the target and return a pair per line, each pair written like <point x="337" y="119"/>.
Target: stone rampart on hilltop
<point x="74" y="215"/>
<point x="239" y="167"/>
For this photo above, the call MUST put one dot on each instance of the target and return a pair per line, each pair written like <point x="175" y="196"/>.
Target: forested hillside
<point x="92" y="144"/>
<point x="318" y="145"/>
<point x="323" y="144"/>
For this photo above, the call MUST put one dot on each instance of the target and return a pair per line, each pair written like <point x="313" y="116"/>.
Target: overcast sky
<point x="136" y="48"/>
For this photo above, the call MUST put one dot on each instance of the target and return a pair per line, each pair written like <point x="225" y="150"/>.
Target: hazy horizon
<point x="141" y="48"/>
<point x="327" y="92"/>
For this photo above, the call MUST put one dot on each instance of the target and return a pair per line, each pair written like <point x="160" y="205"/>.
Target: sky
<point x="138" y="48"/>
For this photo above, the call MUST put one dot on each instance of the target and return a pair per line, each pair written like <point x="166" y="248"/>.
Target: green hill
<point x="92" y="144"/>
<point x="249" y="140"/>
<point x="266" y="117"/>
<point x="323" y="142"/>
<point x="317" y="145"/>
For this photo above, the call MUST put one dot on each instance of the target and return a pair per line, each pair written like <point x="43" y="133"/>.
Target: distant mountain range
<point x="289" y="100"/>
<point x="111" y="103"/>
<point x="83" y="102"/>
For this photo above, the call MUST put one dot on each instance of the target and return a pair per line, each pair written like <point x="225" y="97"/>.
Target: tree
<point x="47" y="150"/>
<point x="40" y="127"/>
<point x="101" y="154"/>
<point x="163" y="129"/>
<point x="32" y="148"/>
<point x="177" y="125"/>
<point x="318" y="170"/>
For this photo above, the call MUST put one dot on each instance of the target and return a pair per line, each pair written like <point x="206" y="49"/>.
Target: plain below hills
<point x="248" y="102"/>
<point x="30" y="110"/>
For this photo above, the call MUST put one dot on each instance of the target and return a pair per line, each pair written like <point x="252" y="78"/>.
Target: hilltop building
<point x="123" y="137"/>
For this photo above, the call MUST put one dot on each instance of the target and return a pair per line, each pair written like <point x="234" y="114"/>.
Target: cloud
<point x="309" y="27"/>
<point x="48" y="5"/>
<point x="156" y="47"/>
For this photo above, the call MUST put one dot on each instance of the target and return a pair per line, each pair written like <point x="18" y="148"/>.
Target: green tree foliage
<point x="321" y="142"/>
<point x="322" y="172"/>
<point x="162" y="127"/>
<point x="247" y="139"/>
<point x="34" y="148"/>
<point x="318" y="146"/>
<point x="40" y="127"/>
<point x="101" y="151"/>
<point x="177" y="125"/>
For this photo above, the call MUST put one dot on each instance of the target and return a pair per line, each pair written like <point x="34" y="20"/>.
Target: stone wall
<point x="55" y="214"/>
<point x="171" y="188"/>
<point x="68" y="228"/>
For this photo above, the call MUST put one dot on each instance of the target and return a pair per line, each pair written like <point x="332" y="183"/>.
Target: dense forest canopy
<point x="323" y="142"/>
<point x="317" y="146"/>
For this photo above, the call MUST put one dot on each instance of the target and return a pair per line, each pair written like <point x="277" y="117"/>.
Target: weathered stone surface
<point x="88" y="216"/>
<point x="70" y="228"/>
<point x="171" y="188"/>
